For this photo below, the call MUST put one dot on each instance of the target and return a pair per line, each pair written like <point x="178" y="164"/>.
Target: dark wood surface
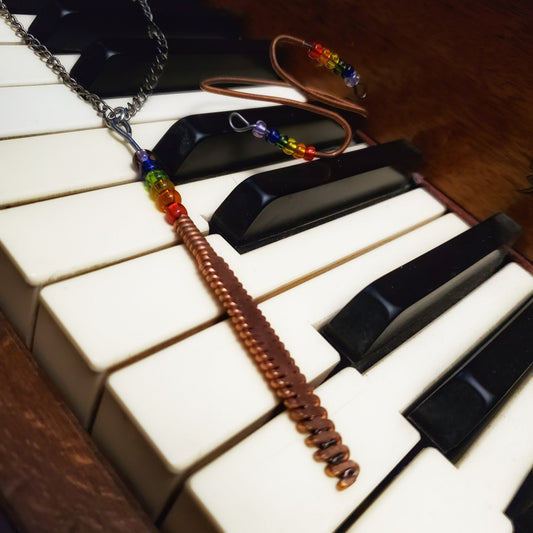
<point x="454" y="77"/>
<point x="51" y="477"/>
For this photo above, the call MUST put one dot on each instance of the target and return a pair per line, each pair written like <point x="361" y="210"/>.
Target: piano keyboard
<point x="114" y="310"/>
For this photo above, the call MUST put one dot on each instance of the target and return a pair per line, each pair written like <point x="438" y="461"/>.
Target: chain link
<point x="99" y="105"/>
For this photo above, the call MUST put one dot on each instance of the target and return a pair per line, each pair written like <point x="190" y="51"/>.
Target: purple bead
<point x="353" y="80"/>
<point x="260" y="129"/>
<point x="142" y="155"/>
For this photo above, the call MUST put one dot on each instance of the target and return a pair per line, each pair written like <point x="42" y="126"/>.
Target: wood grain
<point x="453" y="77"/>
<point x="51" y="477"/>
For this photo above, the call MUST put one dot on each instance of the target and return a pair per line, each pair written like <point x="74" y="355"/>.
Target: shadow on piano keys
<point x="312" y="286"/>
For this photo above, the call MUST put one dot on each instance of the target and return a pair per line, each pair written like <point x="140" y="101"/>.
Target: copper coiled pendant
<point x="271" y="357"/>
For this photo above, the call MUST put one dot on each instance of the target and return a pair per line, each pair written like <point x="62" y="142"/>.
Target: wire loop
<point x="311" y="93"/>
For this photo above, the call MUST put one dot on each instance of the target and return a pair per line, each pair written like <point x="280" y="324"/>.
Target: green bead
<point x="341" y="65"/>
<point x="282" y="141"/>
<point x="152" y="177"/>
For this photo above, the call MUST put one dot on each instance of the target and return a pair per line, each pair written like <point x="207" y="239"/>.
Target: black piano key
<point x="71" y="25"/>
<point x="205" y="145"/>
<point x="520" y="510"/>
<point x="397" y="305"/>
<point x="271" y="205"/>
<point x="118" y="67"/>
<point x="25" y="7"/>
<point x="451" y="415"/>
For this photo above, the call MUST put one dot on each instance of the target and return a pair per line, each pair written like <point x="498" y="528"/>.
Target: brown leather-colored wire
<point x="290" y="81"/>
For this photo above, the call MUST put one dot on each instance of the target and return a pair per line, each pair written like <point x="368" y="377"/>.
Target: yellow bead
<point x="290" y="147"/>
<point x="160" y="186"/>
<point x="332" y="61"/>
<point x="300" y="150"/>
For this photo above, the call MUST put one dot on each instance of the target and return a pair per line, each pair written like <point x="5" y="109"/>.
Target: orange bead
<point x="300" y="151"/>
<point x="324" y="58"/>
<point x="166" y="198"/>
<point x="174" y="211"/>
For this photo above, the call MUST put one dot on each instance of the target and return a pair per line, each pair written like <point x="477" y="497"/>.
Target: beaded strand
<point x="285" y="143"/>
<point x="332" y="61"/>
<point x="160" y="187"/>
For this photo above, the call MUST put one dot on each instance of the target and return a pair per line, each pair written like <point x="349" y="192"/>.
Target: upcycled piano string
<point x="332" y="62"/>
<point x="256" y="334"/>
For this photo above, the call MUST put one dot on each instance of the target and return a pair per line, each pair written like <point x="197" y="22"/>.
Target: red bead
<point x="174" y="211"/>
<point x="316" y="51"/>
<point x="310" y="153"/>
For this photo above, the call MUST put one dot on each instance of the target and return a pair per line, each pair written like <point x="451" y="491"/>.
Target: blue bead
<point x="273" y="136"/>
<point x="347" y="72"/>
<point x="259" y="130"/>
<point x="149" y="164"/>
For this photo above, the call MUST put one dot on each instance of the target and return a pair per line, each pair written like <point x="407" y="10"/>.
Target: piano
<point x="126" y="404"/>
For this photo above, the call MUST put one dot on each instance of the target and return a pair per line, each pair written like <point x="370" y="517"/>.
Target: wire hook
<point x="239" y="129"/>
<point x="118" y="121"/>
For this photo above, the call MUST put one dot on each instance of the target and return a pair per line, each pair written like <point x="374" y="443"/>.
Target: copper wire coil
<point x="271" y="357"/>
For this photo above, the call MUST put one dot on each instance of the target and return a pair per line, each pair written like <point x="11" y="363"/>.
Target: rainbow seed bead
<point x="339" y="68"/>
<point x="272" y="136"/>
<point x="152" y="177"/>
<point x="167" y="197"/>
<point x="315" y="51"/>
<point x="300" y="150"/>
<point x="290" y="146"/>
<point x="324" y="57"/>
<point x="287" y="144"/>
<point x="282" y="142"/>
<point x="174" y="211"/>
<point x="259" y="129"/>
<point x="159" y="186"/>
<point x="310" y="152"/>
<point x="332" y="61"/>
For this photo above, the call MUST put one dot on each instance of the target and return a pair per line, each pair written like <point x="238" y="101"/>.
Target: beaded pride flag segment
<point x="332" y="61"/>
<point x="285" y="143"/>
<point x="160" y="187"/>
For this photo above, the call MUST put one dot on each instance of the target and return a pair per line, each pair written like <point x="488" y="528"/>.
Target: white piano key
<point x="270" y="482"/>
<point x="49" y="170"/>
<point x="185" y="433"/>
<point x="38" y="109"/>
<point x="433" y="495"/>
<point x="37" y="254"/>
<point x="49" y="165"/>
<point x="414" y="366"/>
<point x="7" y="35"/>
<point x="430" y="496"/>
<point x="62" y="237"/>
<point x="96" y="321"/>
<point x="20" y="68"/>
<point x="501" y="457"/>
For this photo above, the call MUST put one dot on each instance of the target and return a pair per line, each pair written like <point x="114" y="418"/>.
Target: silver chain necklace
<point x="117" y="118"/>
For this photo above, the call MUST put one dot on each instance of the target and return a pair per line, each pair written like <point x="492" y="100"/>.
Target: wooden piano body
<point x="451" y="77"/>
